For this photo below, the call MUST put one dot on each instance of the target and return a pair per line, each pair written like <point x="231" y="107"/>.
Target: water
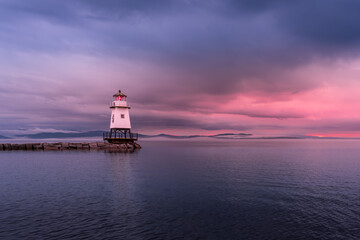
<point x="242" y="189"/>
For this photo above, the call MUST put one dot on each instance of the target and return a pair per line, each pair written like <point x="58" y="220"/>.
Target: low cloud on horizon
<point x="269" y="67"/>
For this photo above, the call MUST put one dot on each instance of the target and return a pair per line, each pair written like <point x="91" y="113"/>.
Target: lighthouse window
<point x="113" y="118"/>
<point x="122" y="116"/>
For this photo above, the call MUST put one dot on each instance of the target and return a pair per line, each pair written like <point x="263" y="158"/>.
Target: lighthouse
<point x="120" y="125"/>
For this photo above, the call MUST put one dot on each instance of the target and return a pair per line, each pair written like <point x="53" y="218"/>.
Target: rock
<point x="29" y="146"/>
<point x="14" y="146"/>
<point x="93" y="145"/>
<point x="116" y="147"/>
<point x="22" y="146"/>
<point x="85" y="146"/>
<point x="72" y="146"/>
<point x="65" y="145"/>
<point x="123" y="147"/>
<point x="130" y="147"/>
<point x="103" y="145"/>
<point x="112" y="146"/>
<point x="7" y="146"/>
<point x="48" y="146"/>
<point x="59" y="144"/>
<point x="38" y="146"/>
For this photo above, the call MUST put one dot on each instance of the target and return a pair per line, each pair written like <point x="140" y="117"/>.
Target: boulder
<point x="7" y="146"/>
<point x="72" y="146"/>
<point x="112" y="146"/>
<point x="124" y="147"/>
<point x="93" y="145"/>
<point x="115" y="147"/>
<point x="29" y="146"/>
<point x="14" y="146"/>
<point x="65" y="145"/>
<point x="38" y="146"/>
<point x="130" y="147"/>
<point x="22" y="146"/>
<point x="49" y="146"/>
<point x="85" y="146"/>
<point x="103" y="145"/>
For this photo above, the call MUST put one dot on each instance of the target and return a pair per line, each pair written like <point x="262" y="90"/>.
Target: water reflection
<point x="193" y="190"/>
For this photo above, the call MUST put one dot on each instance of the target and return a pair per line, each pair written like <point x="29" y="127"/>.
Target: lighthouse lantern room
<point x="120" y="126"/>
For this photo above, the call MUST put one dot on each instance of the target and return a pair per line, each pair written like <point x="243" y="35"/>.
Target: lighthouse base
<point x="117" y="136"/>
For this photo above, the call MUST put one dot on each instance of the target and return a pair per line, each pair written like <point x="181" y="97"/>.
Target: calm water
<point x="250" y="189"/>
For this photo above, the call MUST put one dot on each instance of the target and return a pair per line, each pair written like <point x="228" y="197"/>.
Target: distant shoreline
<point x="97" y="136"/>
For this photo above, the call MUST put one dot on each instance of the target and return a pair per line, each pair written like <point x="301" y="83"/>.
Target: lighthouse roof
<point x="119" y="94"/>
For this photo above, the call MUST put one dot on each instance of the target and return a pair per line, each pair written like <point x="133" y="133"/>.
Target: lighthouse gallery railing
<point x="120" y="135"/>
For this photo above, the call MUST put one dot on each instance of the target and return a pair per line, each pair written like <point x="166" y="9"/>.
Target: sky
<point x="265" y="67"/>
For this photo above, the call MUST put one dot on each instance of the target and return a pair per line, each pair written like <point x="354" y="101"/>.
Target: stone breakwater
<point x="124" y="147"/>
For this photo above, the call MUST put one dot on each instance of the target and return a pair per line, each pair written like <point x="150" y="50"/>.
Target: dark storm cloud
<point x="329" y="22"/>
<point x="218" y="52"/>
<point x="334" y="23"/>
<point x="201" y="32"/>
<point x="324" y="21"/>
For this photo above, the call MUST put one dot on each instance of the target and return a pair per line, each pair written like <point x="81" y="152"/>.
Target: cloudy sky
<point x="266" y="67"/>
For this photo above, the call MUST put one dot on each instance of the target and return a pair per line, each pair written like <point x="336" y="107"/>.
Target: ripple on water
<point x="176" y="190"/>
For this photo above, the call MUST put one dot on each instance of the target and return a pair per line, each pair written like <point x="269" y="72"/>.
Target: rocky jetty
<point x="123" y="147"/>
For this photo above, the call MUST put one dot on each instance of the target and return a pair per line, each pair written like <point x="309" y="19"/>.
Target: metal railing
<point x="119" y="104"/>
<point x="120" y="135"/>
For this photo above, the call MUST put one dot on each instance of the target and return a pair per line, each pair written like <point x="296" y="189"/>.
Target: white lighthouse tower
<point x="120" y="126"/>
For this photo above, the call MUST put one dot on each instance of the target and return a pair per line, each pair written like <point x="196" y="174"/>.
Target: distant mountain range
<point x="44" y="135"/>
<point x="222" y="135"/>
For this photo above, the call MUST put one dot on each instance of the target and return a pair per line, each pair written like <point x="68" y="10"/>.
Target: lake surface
<point x="240" y="189"/>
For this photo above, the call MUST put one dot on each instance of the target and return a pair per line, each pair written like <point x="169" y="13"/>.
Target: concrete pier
<point x="123" y="147"/>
